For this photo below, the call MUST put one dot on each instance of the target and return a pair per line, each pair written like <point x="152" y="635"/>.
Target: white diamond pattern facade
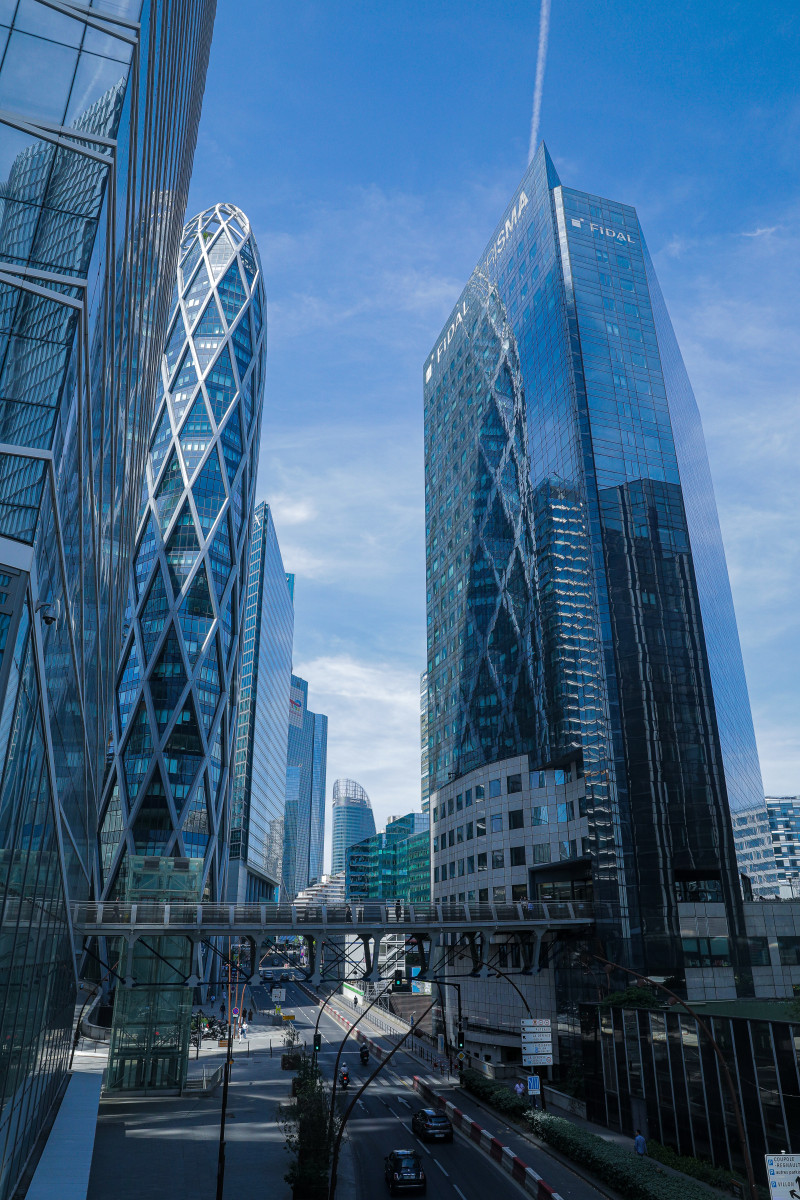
<point x="168" y="787"/>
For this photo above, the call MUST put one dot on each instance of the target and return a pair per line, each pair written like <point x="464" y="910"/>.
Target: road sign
<point x="783" y="1176"/>
<point x="278" y="995"/>
<point x="288" y="1016"/>
<point x="461" y="1056"/>
<point x="536" y="1035"/>
<point x="535" y="1023"/>
<point x="235" y="1012"/>
<point x="537" y="1060"/>
<point x="534" y="1085"/>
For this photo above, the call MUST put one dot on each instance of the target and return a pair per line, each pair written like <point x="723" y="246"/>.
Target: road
<point x="381" y="1122"/>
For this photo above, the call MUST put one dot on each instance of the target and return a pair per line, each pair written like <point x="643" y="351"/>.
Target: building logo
<point x="604" y="230"/>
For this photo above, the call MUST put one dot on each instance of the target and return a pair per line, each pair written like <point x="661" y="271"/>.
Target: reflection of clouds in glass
<point x="95" y="78"/>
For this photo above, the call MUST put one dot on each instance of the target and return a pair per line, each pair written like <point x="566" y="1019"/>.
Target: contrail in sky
<point x="541" y="58"/>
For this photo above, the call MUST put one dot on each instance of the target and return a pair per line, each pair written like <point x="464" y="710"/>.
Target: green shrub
<point x="706" y="1171"/>
<point x="633" y="1177"/>
<point x="494" y="1094"/>
<point x="633" y="997"/>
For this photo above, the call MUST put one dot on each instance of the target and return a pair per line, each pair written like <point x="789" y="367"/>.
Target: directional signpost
<point x="783" y="1176"/>
<point x="537" y="1042"/>
<point x="534" y="1085"/>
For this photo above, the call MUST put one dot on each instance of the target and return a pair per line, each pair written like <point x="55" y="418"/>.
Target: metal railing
<point x="91" y="917"/>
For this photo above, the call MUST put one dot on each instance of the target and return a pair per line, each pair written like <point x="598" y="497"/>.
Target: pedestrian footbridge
<point x="370" y="922"/>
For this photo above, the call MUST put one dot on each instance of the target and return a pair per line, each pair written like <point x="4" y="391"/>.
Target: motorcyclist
<point x="365" y="1054"/>
<point x="344" y="1077"/>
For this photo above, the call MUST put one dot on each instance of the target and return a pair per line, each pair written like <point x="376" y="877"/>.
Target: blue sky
<point x="374" y="147"/>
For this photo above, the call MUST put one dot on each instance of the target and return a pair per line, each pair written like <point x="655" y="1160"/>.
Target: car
<point x="402" y="1170"/>
<point x="431" y="1126"/>
<point x="284" y="977"/>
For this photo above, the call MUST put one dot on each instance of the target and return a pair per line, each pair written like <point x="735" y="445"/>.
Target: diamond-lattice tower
<point x="168" y="785"/>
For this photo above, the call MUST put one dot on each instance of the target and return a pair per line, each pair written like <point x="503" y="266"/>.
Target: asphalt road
<point x="381" y="1122"/>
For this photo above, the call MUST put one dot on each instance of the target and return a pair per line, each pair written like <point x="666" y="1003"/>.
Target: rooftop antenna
<point x="538" y="87"/>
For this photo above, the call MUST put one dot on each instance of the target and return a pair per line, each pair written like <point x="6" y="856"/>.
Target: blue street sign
<point x="534" y="1085"/>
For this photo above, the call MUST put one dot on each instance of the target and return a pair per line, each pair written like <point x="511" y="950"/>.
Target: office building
<point x="259" y="783"/>
<point x="755" y="853"/>
<point x="579" y="611"/>
<point x="66" y="520"/>
<point x="393" y="864"/>
<point x="168" y="788"/>
<point x="352" y="820"/>
<point x="304" y="819"/>
<point x="423" y="740"/>
<point x="92" y="204"/>
<point x="783" y="814"/>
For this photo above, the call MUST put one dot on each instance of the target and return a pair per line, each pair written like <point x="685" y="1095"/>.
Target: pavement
<point x="167" y="1148"/>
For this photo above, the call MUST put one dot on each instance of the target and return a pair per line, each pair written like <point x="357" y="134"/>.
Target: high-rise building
<point x="579" y="609"/>
<point x="423" y="740"/>
<point x="784" y="825"/>
<point x="92" y="204"/>
<point x="168" y="788"/>
<point x="259" y="785"/>
<point x="393" y="864"/>
<point x="352" y="820"/>
<point x="306" y="766"/>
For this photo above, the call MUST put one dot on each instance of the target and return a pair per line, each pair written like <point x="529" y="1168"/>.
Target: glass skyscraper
<point x="579" y="610"/>
<point x="91" y="206"/>
<point x="393" y="864"/>
<point x="168" y="790"/>
<point x="423" y="737"/>
<point x="259" y="784"/>
<point x="306" y="767"/>
<point x="352" y="820"/>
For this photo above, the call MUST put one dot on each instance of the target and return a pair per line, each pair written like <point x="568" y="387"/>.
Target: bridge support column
<point x="374" y="970"/>
<point x="530" y="947"/>
<point x="316" y="949"/>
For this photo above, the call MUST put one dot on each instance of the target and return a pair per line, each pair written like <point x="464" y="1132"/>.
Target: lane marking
<point x="458" y="1189"/>
<point x="401" y="1100"/>
<point x="441" y="1168"/>
<point x="394" y="1114"/>
<point x="361" y="1104"/>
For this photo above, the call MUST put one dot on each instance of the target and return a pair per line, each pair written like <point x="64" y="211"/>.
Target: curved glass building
<point x="352" y="820"/>
<point x="173" y="728"/>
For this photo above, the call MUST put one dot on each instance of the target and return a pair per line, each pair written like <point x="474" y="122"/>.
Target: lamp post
<point x="701" y="1025"/>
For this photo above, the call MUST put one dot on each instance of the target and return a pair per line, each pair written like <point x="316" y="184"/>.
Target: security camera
<point x="49" y="612"/>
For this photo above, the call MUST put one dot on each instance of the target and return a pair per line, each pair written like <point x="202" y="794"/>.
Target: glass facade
<point x="168" y="789"/>
<point x="92" y="203"/>
<point x="572" y="551"/>
<point x="783" y="815"/>
<point x="304" y="819"/>
<point x="393" y="864"/>
<point x="259" y="786"/>
<point x="352" y="821"/>
<point x="425" y="788"/>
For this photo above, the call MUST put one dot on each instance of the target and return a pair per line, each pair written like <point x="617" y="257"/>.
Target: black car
<point x="284" y="977"/>
<point x="431" y="1126"/>
<point x="402" y="1171"/>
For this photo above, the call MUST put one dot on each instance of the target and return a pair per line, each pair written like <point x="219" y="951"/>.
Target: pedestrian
<point x="348" y="913"/>
<point x="639" y="1144"/>
<point x="222" y="1010"/>
<point x="244" y="1029"/>
<point x="398" y="911"/>
<point x="250" y="1015"/>
<point x="519" y="1088"/>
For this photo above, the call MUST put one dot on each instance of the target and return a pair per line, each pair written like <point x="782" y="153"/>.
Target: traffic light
<point x="317" y="1042"/>
<point x="399" y="980"/>
<point x="460" y="1039"/>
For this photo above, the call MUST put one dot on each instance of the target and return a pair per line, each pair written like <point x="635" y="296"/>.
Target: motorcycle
<point x="344" y="1079"/>
<point x="364" y="1055"/>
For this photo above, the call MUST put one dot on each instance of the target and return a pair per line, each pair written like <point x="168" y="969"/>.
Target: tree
<point x="308" y="1137"/>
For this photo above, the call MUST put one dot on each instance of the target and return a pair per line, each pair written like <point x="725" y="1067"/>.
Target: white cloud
<point x="373" y="728"/>
<point x="760" y="232"/>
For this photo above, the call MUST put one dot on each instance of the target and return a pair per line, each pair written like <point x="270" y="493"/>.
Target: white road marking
<point x="458" y="1189"/>
<point x="361" y="1104"/>
<point x="441" y="1168"/>
<point x="423" y="1147"/>
<point x="400" y="1100"/>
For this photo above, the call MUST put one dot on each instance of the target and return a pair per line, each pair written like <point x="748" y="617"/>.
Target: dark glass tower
<point x="93" y="195"/>
<point x="168" y="789"/>
<point x="259" y="785"/>
<point x="579" y="608"/>
<point x="306" y="767"/>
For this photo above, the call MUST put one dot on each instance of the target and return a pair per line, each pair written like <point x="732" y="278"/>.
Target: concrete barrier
<point x="508" y="1160"/>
